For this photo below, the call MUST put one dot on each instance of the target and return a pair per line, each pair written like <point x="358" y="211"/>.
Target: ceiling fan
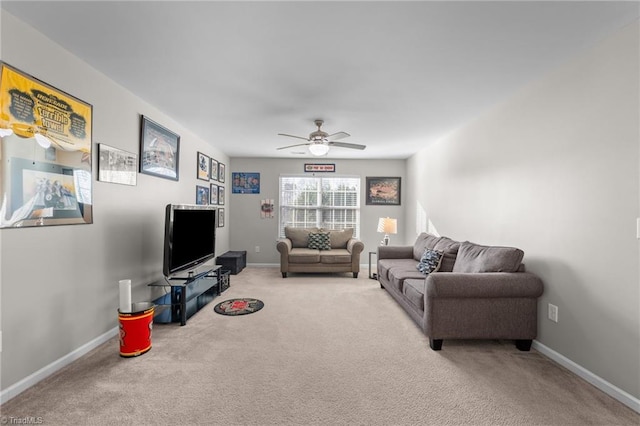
<point x="319" y="142"/>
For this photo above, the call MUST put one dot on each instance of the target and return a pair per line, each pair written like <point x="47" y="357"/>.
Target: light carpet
<point x="324" y="350"/>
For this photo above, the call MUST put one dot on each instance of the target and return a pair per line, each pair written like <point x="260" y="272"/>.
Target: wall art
<point x="383" y="191"/>
<point x="202" y="195"/>
<point x="245" y="183"/>
<point x="116" y="165"/>
<point x="204" y="166"/>
<point x="159" y="150"/>
<point x="46" y="165"/>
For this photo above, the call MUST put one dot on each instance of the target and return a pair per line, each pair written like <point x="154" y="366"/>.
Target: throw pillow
<point x="319" y="241"/>
<point x="430" y="261"/>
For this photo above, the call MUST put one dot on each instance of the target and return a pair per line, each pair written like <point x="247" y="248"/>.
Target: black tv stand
<point x="189" y="294"/>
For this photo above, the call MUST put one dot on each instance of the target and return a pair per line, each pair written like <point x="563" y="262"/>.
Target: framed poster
<point x="159" y="150"/>
<point x="222" y="169"/>
<point x="213" y="175"/>
<point x="116" y="165"/>
<point x="202" y="195"/>
<point x="319" y="167"/>
<point x="245" y="183"/>
<point x="221" y="191"/>
<point x="220" y="218"/>
<point x="46" y="137"/>
<point x="214" y="194"/>
<point x="383" y="191"/>
<point x="203" y="167"/>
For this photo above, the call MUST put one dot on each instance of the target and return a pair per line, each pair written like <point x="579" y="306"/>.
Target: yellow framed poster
<point x="45" y="152"/>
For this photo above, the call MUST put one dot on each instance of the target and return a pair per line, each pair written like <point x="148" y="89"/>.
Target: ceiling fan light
<point x="318" y="149"/>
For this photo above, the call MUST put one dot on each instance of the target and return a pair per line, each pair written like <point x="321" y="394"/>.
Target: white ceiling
<point x="395" y="75"/>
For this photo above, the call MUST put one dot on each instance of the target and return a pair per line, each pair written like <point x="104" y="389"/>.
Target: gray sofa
<point x="476" y="292"/>
<point x="342" y="254"/>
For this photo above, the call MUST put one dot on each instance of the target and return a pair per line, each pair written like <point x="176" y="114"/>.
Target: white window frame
<point x="315" y="208"/>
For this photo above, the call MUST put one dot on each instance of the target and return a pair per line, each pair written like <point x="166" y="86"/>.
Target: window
<point x="323" y="202"/>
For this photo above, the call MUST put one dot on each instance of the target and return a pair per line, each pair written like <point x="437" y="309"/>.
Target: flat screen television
<point x="189" y="237"/>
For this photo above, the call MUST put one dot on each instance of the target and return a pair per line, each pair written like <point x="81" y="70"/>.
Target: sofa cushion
<point x="304" y="255"/>
<point x="398" y="274"/>
<point x="476" y="258"/>
<point x="339" y="238"/>
<point x="319" y="240"/>
<point x="335" y="256"/>
<point x="385" y="265"/>
<point x="430" y="261"/>
<point x="414" y="292"/>
<point x="450" y="249"/>
<point x="423" y="242"/>
<point x="299" y="236"/>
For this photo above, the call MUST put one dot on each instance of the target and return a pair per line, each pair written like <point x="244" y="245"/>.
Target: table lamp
<point x="388" y="226"/>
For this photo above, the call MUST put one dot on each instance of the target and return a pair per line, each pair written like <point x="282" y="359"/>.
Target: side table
<point x="374" y="275"/>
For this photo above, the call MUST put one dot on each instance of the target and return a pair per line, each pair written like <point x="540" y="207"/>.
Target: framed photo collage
<point x="213" y="172"/>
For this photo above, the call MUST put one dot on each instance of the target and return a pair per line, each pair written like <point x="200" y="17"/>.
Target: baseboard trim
<point x="606" y="387"/>
<point x="24" y="384"/>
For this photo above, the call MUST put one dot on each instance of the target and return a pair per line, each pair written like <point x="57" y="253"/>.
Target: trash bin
<point x="135" y="329"/>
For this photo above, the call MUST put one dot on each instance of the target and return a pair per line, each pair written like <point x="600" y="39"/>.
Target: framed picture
<point x="245" y="183"/>
<point x="214" y="194"/>
<point x="47" y="153"/>
<point x="220" y="218"/>
<point x="319" y="167"/>
<point x="203" y="166"/>
<point x="159" y="150"/>
<point x="383" y="191"/>
<point x="202" y="195"/>
<point x="221" y="191"/>
<point x="213" y="175"/>
<point x="116" y="165"/>
<point x="221" y="171"/>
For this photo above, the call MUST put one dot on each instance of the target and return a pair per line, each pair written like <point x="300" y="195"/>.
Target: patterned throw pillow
<point x="430" y="261"/>
<point x="319" y="241"/>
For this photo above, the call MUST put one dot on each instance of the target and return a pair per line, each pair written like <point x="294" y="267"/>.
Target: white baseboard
<point x="606" y="387"/>
<point x="44" y="372"/>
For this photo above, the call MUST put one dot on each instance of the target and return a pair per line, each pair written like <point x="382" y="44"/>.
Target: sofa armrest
<point x="484" y="285"/>
<point x="355" y="246"/>
<point x="284" y="245"/>
<point x="395" y="252"/>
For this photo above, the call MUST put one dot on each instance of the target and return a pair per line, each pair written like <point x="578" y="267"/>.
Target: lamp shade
<point x="387" y="225"/>
<point x="318" y="149"/>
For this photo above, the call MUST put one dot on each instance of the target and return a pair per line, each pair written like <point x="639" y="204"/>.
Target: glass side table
<point x="373" y="275"/>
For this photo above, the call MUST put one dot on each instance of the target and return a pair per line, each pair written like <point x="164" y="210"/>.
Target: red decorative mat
<point x="238" y="306"/>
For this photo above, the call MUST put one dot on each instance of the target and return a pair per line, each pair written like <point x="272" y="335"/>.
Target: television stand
<point x="191" y="293"/>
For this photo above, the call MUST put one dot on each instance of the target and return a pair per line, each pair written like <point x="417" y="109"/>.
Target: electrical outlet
<point x="257" y="249"/>
<point x="553" y="312"/>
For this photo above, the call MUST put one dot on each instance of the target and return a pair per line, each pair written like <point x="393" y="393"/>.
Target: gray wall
<point x="60" y="284"/>
<point x="554" y="171"/>
<point x="248" y="230"/>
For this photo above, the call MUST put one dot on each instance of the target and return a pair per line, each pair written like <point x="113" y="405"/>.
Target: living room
<point x="553" y="169"/>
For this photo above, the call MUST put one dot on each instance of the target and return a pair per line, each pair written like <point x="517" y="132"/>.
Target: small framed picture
<point x="245" y="183"/>
<point x="159" y="150"/>
<point x="221" y="172"/>
<point x="220" y="218"/>
<point x="221" y="191"/>
<point x="203" y="166"/>
<point x="213" y="194"/>
<point x="213" y="174"/>
<point x="383" y="191"/>
<point x="202" y="195"/>
<point x="116" y="165"/>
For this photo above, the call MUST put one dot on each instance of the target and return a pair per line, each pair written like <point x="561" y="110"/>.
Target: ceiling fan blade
<point x="347" y="145"/>
<point x="293" y="136"/>
<point x="339" y="135"/>
<point x="291" y="146"/>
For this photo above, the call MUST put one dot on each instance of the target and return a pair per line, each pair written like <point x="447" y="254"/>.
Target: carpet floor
<point x="324" y="350"/>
